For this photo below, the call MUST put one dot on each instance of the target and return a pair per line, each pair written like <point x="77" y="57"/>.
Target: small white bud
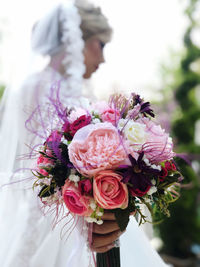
<point x="74" y="178"/>
<point x="152" y="190"/>
<point x="156" y="167"/>
<point x="96" y="120"/>
<point x="89" y="219"/>
<point x="93" y="205"/>
<point x="99" y="222"/>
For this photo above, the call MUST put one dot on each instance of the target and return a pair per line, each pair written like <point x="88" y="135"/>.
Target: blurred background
<point x="155" y="52"/>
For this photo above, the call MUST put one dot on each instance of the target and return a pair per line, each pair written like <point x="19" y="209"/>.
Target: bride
<point x="73" y="37"/>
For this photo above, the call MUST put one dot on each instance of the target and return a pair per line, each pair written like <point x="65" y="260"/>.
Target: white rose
<point x="135" y="132"/>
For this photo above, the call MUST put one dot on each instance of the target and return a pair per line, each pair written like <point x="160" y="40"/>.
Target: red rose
<point x="136" y="192"/>
<point x="163" y="174"/>
<point x="79" y="123"/>
<point x="170" y="166"/>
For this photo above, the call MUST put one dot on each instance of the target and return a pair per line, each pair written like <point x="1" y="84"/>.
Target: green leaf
<point x="122" y="217"/>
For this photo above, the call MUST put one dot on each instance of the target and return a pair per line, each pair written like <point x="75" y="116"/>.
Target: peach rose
<point x="109" y="192"/>
<point x="74" y="201"/>
<point x="96" y="147"/>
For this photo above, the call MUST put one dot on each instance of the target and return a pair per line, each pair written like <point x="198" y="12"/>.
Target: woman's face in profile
<point x="93" y="53"/>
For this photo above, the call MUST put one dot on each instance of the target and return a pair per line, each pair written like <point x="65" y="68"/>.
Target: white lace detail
<point x="72" y="37"/>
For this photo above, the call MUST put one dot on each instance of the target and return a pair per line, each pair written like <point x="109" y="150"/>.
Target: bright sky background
<point x="144" y="30"/>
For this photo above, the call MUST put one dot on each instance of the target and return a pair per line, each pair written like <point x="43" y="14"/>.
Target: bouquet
<point x="111" y="156"/>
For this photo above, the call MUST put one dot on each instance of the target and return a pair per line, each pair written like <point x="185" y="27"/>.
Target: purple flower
<point x="145" y="106"/>
<point x="138" y="175"/>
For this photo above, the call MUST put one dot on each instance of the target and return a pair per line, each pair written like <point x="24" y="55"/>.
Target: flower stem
<point x="110" y="258"/>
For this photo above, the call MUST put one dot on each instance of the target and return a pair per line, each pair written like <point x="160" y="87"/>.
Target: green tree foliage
<point x="182" y="229"/>
<point x="1" y="90"/>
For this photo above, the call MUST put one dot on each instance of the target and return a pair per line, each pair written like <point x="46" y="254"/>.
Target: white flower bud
<point x="99" y="222"/>
<point x="74" y="178"/>
<point x="99" y="213"/>
<point x="90" y="220"/>
<point x="65" y="141"/>
<point x="152" y="190"/>
<point x="93" y="205"/>
<point x="96" y="120"/>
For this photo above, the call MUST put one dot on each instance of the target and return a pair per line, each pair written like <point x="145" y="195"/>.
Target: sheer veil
<point x="27" y="234"/>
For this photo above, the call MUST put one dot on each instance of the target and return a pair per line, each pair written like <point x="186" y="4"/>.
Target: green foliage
<point x="1" y="90"/>
<point x="179" y="232"/>
<point x="122" y="215"/>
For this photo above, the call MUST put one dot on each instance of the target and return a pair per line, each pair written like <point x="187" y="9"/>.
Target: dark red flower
<point x="85" y="186"/>
<point x="79" y="123"/>
<point x="163" y="174"/>
<point x="138" y="193"/>
<point x="170" y="166"/>
<point x="138" y="176"/>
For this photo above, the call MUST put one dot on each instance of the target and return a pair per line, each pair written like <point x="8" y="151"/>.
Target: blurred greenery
<point x="1" y="90"/>
<point x="181" y="231"/>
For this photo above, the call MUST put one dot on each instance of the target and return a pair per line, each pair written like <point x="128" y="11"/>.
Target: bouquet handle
<point x="110" y="258"/>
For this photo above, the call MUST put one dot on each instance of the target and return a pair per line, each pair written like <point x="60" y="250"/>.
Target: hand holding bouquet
<point x="112" y="156"/>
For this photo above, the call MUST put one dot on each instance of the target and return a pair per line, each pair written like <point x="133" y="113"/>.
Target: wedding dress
<point x="27" y="238"/>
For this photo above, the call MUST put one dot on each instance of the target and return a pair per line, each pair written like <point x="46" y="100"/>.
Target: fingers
<point x="106" y="227"/>
<point x="104" y="248"/>
<point x="105" y="240"/>
<point x="109" y="216"/>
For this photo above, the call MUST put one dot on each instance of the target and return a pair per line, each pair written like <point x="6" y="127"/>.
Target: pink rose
<point x="96" y="147"/>
<point x="109" y="192"/>
<point x="111" y="115"/>
<point x="74" y="201"/>
<point x="158" y="146"/>
<point x="79" y="123"/>
<point x="85" y="186"/>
